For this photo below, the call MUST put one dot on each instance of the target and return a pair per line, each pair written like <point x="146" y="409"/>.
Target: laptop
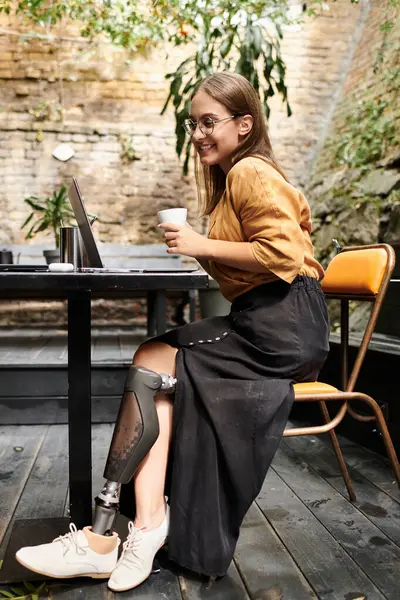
<point x="92" y="251"/>
<point x="20" y="268"/>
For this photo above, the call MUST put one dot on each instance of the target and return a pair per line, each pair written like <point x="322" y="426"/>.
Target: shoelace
<point x="131" y="545"/>
<point x="71" y="538"/>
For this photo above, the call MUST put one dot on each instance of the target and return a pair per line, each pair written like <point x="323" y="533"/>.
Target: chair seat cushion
<point x="314" y="387"/>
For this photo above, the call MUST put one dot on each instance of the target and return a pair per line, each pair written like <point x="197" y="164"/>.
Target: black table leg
<point x="192" y="305"/>
<point x="156" y="312"/>
<point x="79" y="408"/>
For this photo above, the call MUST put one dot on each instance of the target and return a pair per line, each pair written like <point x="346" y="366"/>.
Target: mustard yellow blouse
<point x="259" y="206"/>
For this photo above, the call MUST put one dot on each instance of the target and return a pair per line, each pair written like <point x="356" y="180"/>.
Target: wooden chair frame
<point x="348" y="395"/>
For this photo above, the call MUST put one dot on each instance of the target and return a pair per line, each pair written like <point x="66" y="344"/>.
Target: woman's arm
<point x="268" y="208"/>
<point x="234" y="254"/>
<point x="203" y="262"/>
<point x="184" y="240"/>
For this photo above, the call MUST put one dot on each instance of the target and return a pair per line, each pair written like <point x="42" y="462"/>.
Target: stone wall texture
<point x="374" y="74"/>
<point x="362" y="205"/>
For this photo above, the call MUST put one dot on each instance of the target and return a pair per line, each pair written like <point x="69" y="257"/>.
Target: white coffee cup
<point x="177" y="216"/>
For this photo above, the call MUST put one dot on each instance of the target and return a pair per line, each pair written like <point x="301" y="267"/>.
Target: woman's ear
<point x="245" y="124"/>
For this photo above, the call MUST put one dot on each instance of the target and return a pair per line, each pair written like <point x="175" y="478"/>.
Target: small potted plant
<point x="49" y="214"/>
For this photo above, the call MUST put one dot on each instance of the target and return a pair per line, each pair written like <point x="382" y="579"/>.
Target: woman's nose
<point x="198" y="134"/>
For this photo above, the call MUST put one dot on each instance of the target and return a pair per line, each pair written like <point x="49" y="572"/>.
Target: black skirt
<point x="233" y="397"/>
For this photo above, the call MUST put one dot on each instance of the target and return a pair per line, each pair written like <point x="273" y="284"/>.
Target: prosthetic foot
<point x="86" y="552"/>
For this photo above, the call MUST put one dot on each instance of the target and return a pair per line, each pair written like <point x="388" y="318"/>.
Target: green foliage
<point x="128" y="152"/>
<point x="29" y="593"/>
<point x="46" y="110"/>
<point x="241" y="36"/>
<point x="129" y="24"/>
<point x="367" y="135"/>
<point x="50" y="214"/>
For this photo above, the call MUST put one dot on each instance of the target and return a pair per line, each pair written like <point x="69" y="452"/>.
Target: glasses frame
<point x="197" y="123"/>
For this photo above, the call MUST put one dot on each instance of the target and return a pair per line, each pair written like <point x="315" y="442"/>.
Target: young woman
<point x="235" y="373"/>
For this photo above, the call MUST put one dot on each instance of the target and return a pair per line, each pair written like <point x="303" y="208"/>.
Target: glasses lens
<point x="189" y="126"/>
<point x="207" y="126"/>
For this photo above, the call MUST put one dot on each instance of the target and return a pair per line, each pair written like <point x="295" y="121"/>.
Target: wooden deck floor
<point x="301" y="540"/>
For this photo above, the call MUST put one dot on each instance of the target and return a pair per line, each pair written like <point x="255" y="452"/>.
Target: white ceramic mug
<point x="177" y="216"/>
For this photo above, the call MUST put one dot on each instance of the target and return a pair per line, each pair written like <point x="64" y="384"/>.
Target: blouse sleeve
<point x="269" y="211"/>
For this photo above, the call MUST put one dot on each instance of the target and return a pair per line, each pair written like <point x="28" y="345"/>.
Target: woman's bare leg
<point x="149" y="479"/>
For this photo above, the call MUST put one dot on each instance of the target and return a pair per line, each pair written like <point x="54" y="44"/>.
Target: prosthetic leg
<point x="136" y="430"/>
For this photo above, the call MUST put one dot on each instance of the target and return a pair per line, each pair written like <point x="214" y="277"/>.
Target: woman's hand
<point x="182" y="239"/>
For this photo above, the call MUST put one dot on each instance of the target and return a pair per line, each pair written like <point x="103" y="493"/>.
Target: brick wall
<point x="103" y="97"/>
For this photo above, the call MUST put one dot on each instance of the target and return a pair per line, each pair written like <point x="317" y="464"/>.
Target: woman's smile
<point x="205" y="148"/>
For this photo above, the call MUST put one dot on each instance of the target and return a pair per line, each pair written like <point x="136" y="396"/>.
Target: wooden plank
<point x="19" y="448"/>
<point x="373" y="551"/>
<point x="129" y="344"/>
<point x="328" y="568"/>
<point x="29" y="411"/>
<point x="230" y="587"/>
<point x="106" y="349"/>
<point x="265" y="565"/>
<point x="46" y="488"/>
<point x="368" y="463"/>
<point x="372" y="466"/>
<point x="80" y="589"/>
<point x="52" y="353"/>
<point x="52" y="350"/>
<point x="21" y="351"/>
<point x="159" y="586"/>
<point x="44" y="493"/>
<point x="375" y="504"/>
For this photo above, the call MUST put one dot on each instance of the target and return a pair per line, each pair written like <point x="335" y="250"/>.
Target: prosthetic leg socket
<point x="136" y="430"/>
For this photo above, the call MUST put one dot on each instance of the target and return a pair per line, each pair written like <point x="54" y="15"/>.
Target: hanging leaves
<point x="231" y="39"/>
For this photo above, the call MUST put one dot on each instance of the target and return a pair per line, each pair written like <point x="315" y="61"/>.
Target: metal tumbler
<point x="71" y="246"/>
<point x="6" y="257"/>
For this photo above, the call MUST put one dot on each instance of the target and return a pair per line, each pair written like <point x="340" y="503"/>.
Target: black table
<point x="79" y="289"/>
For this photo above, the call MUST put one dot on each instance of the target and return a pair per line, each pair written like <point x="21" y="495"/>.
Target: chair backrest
<point x="358" y="273"/>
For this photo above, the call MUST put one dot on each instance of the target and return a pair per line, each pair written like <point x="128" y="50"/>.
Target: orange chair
<point x="356" y="273"/>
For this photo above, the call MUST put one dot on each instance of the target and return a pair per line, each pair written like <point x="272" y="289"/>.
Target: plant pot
<point x="52" y="256"/>
<point x="212" y="302"/>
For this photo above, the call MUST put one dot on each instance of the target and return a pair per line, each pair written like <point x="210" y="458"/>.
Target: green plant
<point x="29" y="593"/>
<point x="237" y="35"/>
<point x="50" y="213"/>
<point x="128" y="152"/>
<point x="366" y="136"/>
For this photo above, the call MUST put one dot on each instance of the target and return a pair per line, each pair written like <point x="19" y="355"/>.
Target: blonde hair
<point x="240" y="98"/>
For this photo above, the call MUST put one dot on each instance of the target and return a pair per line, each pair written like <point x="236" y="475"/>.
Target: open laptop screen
<point x="86" y="232"/>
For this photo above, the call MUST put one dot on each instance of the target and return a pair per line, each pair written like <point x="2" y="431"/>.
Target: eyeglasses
<point x="206" y="125"/>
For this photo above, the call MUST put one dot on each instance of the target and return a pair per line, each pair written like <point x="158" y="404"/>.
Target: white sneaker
<point x="69" y="556"/>
<point x="136" y="561"/>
